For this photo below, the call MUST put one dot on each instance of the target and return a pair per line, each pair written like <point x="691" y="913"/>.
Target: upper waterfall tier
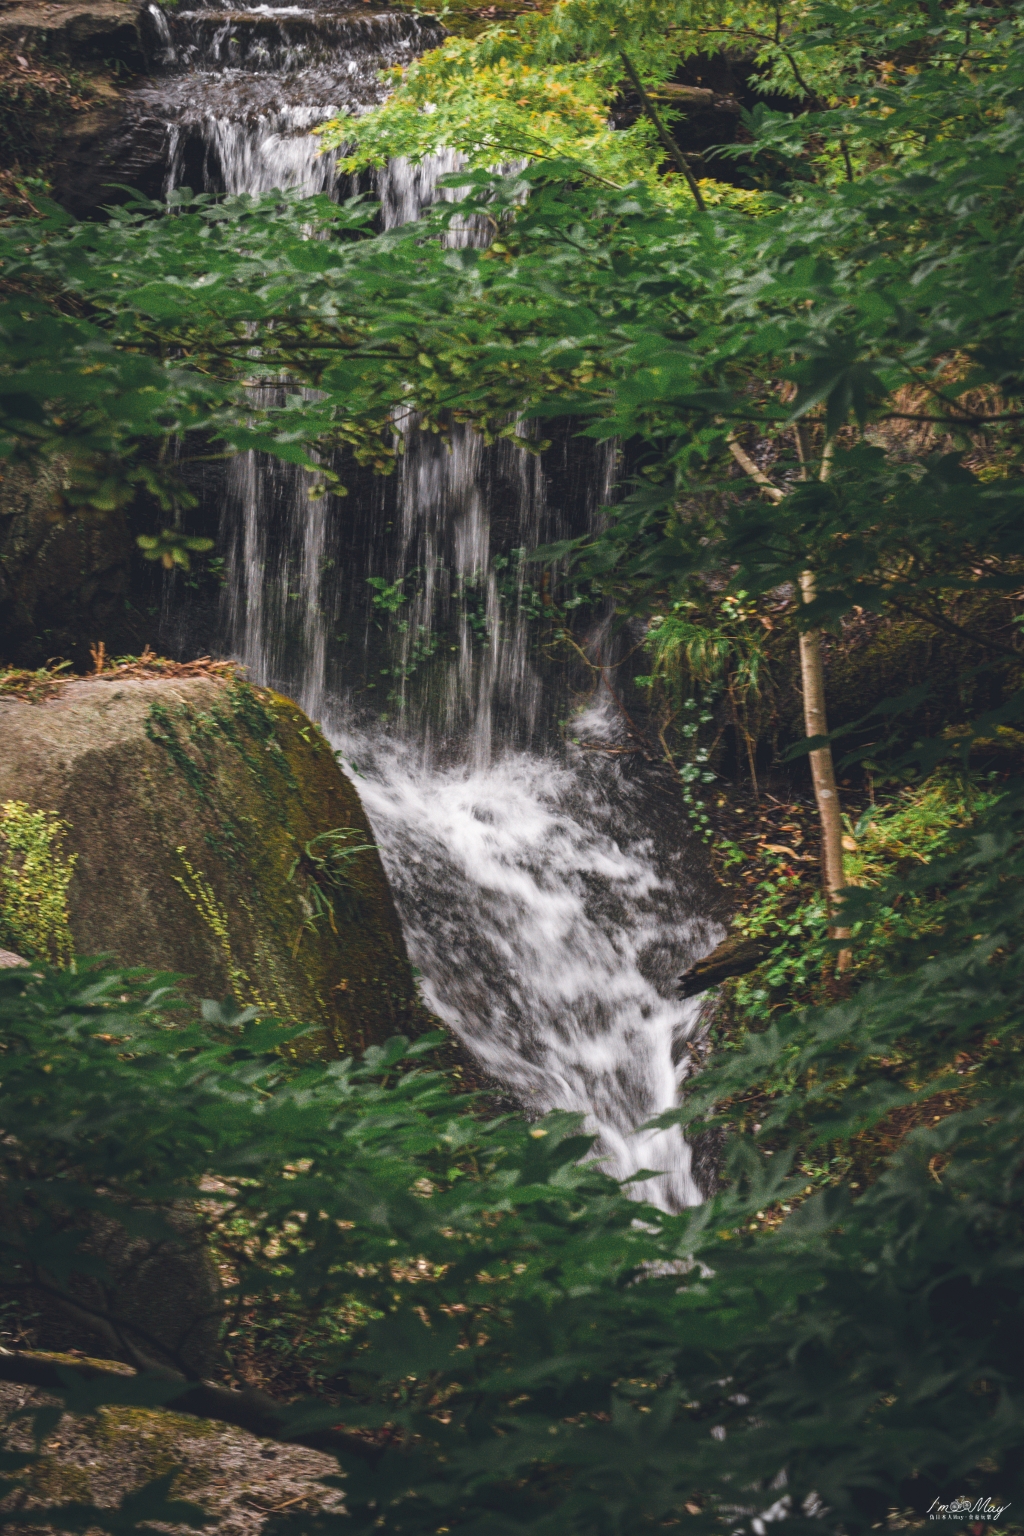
<point x="244" y="60"/>
<point x="236" y="89"/>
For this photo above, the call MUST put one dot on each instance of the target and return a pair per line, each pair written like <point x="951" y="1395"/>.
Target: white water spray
<point x="548" y="932"/>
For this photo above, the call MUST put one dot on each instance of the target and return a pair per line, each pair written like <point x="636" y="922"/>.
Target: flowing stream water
<point x="548" y="886"/>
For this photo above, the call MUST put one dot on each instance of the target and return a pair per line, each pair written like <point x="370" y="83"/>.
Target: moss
<point x="266" y="796"/>
<point x="162" y="1426"/>
<point x="55" y="1481"/>
<point x="194" y="802"/>
<point x="34" y="880"/>
<point x="143" y="1443"/>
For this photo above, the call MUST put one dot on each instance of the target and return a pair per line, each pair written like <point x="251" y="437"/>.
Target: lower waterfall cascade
<point x="547" y="881"/>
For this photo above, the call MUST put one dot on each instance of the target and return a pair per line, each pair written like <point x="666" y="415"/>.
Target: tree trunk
<point x="812" y="678"/>
<point x="823" y="774"/>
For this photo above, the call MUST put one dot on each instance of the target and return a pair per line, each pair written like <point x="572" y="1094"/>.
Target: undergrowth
<point x="34" y="879"/>
<point x="889" y="848"/>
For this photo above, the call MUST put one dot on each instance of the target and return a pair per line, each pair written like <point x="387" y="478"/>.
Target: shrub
<point x="513" y="1345"/>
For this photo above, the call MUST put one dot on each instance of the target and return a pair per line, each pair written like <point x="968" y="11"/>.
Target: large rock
<point x="192" y="804"/>
<point x="112" y="146"/>
<point x="107" y="30"/>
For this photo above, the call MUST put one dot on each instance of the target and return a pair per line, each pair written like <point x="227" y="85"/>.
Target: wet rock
<point x="63" y="579"/>
<point x="105" y="151"/>
<point x="195" y="806"/>
<point x="105" y="30"/>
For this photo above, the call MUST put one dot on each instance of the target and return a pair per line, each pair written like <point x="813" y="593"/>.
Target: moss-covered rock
<point x="192" y="807"/>
<point x="237" y="1479"/>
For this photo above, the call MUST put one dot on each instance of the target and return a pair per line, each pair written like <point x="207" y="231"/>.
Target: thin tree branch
<point x="941" y="622"/>
<point x="747" y="464"/>
<point x="668" y="142"/>
<point x="762" y="37"/>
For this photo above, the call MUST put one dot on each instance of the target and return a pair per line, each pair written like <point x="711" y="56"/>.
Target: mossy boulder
<point x="193" y="805"/>
<point x="99" y="1458"/>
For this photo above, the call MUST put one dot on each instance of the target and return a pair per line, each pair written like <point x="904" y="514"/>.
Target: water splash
<point x="240" y="88"/>
<point x="546" y="920"/>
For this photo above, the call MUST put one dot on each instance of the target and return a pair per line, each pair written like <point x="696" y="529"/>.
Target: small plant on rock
<point x="325" y="864"/>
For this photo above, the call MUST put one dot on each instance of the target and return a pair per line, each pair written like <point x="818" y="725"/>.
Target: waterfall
<point x="547" y="923"/>
<point x="240" y="88"/>
<point x="546" y="879"/>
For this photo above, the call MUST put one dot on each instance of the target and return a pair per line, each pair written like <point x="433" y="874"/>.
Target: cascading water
<point x="544" y="873"/>
<point x="241" y="86"/>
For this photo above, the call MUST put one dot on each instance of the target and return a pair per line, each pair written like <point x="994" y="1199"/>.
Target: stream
<point x="548" y="884"/>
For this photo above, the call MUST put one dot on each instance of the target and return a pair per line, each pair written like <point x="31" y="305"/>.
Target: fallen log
<point x="696" y="96"/>
<point x="735" y="956"/>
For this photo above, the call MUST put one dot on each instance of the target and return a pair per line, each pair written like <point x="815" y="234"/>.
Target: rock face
<point x="102" y="29"/>
<point x="69" y="68"/>
<point x="63" y="580"/>
<point x="103" y="151"/>
<point x="198" y="809"/>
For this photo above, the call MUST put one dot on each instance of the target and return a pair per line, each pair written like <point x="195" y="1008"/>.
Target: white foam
<point x="538" y="915"/>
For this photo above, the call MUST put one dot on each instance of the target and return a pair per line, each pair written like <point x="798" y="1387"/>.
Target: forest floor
<point x="238" y="1479"/>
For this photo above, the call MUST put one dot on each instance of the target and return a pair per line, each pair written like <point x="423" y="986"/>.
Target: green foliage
<point x="543" y="88"/>
<point x="388" y="595"/>
<point x="707" y="653"/>
<point x="172" y="548"/>
<point x="875" y="301"/>
<point x="881" y="298"/>
<point x="526" y="1349"/>
<point x="32" y="684"/>
<point x="893" y="838"/>
<point x="34" y="879"/>
<point x="545" y="1354"/>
